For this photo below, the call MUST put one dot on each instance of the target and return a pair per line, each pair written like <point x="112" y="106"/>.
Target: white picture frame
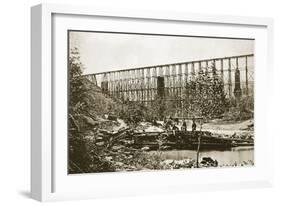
<point x="49" y="183"/>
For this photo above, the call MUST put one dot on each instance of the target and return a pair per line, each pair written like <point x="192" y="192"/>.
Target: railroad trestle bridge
<point x="168" y="81"/>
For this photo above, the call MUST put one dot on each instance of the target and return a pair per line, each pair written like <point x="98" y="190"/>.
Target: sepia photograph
<point x="148" y="102"/>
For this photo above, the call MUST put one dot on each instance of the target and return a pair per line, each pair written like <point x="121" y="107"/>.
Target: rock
<point x="112" y="117"/>
<point x="130" y="157"/>
<point x="207" y="159"/>
<point x="100" y="143"/>
<point x="166" y="147"/>
<point x="90" y="137"/>
<point x="177" y="164"/>
<point x="108" y="158"/>
<point x="117" y="147"/>
<point x="90" y="121"/>
<point x="145" y="148"/>
<point x="119" y="164"/>
<point x="168" y="161"/>
<point x="99" y="138"/>
<point x="208" y="162"/>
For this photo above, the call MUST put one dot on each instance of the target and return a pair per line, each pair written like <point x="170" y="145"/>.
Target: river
<point x="229" y="157"/>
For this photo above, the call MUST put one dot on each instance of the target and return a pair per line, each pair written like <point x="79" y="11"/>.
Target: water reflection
<point x="235" y="155"/>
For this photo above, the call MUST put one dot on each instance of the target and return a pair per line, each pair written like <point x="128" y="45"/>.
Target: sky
<point x="102" y="52"/>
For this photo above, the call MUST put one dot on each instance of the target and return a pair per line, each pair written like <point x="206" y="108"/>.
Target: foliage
<point x="205" y="95"/>
<point x="158" y="108"/>
<point x="132" y="112"/>
<point x="239" y="110"/>
<point x="90" y="150"/>
<point x="86" y="105"/>
<point x="135" y="112"/>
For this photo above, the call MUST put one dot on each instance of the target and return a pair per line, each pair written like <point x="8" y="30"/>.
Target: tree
<point x="205" y="95"/>
<point x="85" y="104"/>
<point x="205" y="98"/>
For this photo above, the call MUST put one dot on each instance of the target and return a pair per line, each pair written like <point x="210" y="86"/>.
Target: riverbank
<point x="230" y="128"/>
<point x="158" y="160"/>
<point x="235" y="156"/>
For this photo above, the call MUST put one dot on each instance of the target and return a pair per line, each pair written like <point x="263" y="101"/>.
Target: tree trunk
<point x="198" y="146"/>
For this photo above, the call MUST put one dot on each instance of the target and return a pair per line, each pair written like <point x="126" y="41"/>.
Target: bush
<point x="240" y="110"/>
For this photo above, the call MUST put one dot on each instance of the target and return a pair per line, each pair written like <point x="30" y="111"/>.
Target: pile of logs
<point x="169" y="139"/>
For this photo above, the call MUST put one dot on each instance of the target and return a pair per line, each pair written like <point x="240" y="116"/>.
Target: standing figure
<point x="184" y="126"/>
<point x="174" y="128"/>
<point x="193" y="125"/>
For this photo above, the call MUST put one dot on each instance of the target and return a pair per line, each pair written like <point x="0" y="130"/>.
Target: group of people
<point x="175" y="124"/>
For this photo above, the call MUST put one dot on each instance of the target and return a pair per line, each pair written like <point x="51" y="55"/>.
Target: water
<point x="235" y="155"/>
